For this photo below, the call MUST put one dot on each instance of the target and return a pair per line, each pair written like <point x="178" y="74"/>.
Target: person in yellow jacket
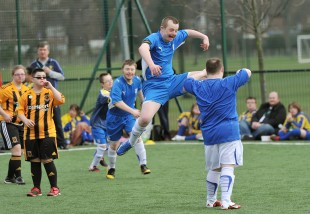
<point x="296" y="125"/>
<point x="189" y="125"/>
<point x="76" y="126"/>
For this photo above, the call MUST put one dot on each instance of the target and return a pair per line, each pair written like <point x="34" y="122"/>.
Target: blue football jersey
<point x="122" y="91"/>
<point x="98" y="117"/>
<point x="216" y="99"/>
<point x="162" y="53"/>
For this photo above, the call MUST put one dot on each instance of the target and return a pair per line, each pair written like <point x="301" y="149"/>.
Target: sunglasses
<point x="38" y="78"/>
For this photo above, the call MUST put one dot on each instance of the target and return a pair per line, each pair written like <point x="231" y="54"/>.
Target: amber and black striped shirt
<point x="38" y="107"/>
<point x="9" y="96"/>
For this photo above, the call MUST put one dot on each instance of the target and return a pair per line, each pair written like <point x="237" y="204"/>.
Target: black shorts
<point x="41" y="148"/>
<point x="12" y="134"/>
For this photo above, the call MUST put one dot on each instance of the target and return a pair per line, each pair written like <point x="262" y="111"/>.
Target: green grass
<point x="274" y="179"/>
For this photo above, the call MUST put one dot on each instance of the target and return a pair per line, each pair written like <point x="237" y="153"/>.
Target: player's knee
<point x="44" y="161"/>
<point x="144" y="121"/>
<point x="114" y="144"/>
<point x="102" y="147"/>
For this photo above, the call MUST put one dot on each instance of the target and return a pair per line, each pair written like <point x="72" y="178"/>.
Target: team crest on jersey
<point x="46" y="97"/>
<point x="14" y="139"/>
<point x="29" y="153"/>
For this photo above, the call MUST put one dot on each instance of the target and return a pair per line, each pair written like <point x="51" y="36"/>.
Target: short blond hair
<point x="165" y="20"/>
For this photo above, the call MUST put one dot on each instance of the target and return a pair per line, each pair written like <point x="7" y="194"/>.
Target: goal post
<point x="303" y="48"/>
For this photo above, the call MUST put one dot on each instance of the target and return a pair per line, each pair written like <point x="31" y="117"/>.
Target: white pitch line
<point x="187" y="143"/>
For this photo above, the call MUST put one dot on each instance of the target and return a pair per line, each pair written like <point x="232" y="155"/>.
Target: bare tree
<point x="258" y="15"/>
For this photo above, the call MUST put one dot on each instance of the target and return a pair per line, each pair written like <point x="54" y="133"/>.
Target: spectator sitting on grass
<point x="246" y="117"/>
<point x="296" y="125"/>
<point x="76" y="126"/>
<point x="189" y="125"/>
<point x="267" y="118"/>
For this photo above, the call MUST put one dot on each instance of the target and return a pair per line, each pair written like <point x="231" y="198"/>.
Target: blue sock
<point x="181" y="130"/>
<point x="191" y="137"/>
<point x="293" y="133"/>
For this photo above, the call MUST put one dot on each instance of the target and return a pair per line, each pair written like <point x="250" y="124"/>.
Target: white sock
<point x="112" y="158"/>
<point x="97" y="156"/>
<point x="213" y="180"/>
<point x="227" y="183"/>
<point x="137" y="131"/>
<point x="140" y="152"/>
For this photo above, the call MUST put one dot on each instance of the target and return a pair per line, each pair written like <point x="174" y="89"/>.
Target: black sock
<point x="51" y="172"/>
<point x="14" y="166"/>
<point x="36" y="174"/>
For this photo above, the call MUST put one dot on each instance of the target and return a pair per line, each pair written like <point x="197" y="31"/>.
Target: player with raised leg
<point x="160" y="84"/>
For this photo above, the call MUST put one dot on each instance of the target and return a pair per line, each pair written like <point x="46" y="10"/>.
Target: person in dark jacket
<point x="267" y="118"/>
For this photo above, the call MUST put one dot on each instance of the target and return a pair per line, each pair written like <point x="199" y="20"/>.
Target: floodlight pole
<point x="18" y="32"/>
<point x="103" y="49"/>
<point x="224" y="45"/>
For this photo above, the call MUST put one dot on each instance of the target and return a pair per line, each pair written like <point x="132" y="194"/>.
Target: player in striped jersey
<point x="36" y="111"/>
<point x="11" y="127"/>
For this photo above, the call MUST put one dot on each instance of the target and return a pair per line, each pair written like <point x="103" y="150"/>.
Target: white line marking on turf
<point x="189" y="143"/>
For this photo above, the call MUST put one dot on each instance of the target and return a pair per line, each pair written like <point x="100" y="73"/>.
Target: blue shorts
<point x="116" y="125"/>
<point x="161" y="91"/>
<point x="99" y="135"/>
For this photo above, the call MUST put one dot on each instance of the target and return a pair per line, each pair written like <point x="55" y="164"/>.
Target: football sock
<point x="14" y="166"/>
<point x="51" y="172"/>
<point x="97" y="156"/>
<point x="213" y="179"/>
<point x="36" y="173"/>
<point x="181" y="130"/>
<point x="137" y="131"/>
<point x="191" y="137"/>
<point x="112" y="158"/>
<point x="140" y="152"/>
<point x="287" y="135"/>
<point x="227" y="182"/>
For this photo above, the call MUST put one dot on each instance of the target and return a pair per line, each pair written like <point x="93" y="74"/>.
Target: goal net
<point x="303" y="48"/>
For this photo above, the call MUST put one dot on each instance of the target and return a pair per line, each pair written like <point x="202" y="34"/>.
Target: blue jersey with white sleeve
<point x="98" y="117"/>
<point x="216" y="99"/>
<point x="162" y="54"/>
<point x="122" y="91"/>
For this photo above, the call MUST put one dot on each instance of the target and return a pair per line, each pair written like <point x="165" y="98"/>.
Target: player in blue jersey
<point x="160" y="84"/>
<point x="54" y="73"/>
<point x="98" y="121"/>
<point x="122" y="115"/>
<point x="216" y="98"/>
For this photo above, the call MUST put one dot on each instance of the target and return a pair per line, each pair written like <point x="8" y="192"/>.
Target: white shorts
<point x="224" y="153"/>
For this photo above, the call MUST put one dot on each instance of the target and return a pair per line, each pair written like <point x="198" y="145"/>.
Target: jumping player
<point x="160" y="84"/>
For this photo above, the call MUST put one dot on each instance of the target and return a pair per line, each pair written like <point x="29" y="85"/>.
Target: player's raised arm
<point x="196" y="34"/>
<point x="247" y="70"/>
<point x="144" y="51"/>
